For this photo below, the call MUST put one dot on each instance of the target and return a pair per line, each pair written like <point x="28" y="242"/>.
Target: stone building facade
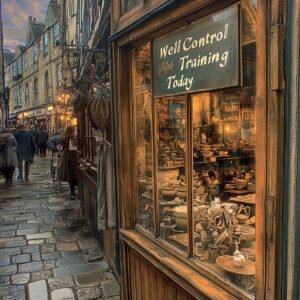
<point x="34" y="76"/>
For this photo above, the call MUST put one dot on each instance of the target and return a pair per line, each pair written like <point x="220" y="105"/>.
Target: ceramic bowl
<point x="168" y="193"/>
<point x="241" y="184"/>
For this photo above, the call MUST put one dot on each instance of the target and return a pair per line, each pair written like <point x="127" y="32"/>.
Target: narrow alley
<point x="47" y="248"/>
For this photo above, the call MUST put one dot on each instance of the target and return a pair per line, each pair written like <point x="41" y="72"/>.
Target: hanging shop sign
<point x="198" y="57"/>
<point x="39" y="112"/>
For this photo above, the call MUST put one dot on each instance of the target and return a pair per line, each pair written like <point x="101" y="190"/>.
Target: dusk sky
<point x="15" y="17"/>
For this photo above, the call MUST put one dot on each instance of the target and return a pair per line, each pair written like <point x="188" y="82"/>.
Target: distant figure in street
<point x="68" y="162"/>
<point x="25" y="151"/>
<point x="9" y="157"/>
<point x="41" y="140"/>
<point x="54" y="140"/>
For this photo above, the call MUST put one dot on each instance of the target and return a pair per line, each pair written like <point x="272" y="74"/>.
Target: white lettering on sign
<point x="185" y="82"/>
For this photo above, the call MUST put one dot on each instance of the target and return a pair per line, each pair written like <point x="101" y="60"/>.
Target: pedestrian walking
<point x="41" y="140"/>
<point x="25" y="151"/>
<point x="9" y="158"/>
<point x="54" y="140"/>
<point x="68" y="161"/>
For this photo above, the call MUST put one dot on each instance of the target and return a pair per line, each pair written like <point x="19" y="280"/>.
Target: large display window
<point x="196" y="164"/>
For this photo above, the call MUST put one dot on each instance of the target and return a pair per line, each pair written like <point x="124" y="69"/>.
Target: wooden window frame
<point x="270" y="110"/>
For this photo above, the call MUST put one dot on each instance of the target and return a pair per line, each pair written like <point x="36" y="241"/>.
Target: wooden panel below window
<point x="148" y="283"/>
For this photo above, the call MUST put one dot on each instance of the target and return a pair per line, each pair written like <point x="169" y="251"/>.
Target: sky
<point x="15" y="15"/>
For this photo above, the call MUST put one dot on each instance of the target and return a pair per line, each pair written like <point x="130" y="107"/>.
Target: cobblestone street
<point x="47" y="249"/>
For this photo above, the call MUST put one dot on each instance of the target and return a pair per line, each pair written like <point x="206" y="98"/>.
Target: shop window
<point x="26" y="94"/>
<point x="201" y="149"/>
<point x="35" y="52"/>
<point x="56" y="34"/>
<point x="46" y="43"/>
<point x="143" y="102"/>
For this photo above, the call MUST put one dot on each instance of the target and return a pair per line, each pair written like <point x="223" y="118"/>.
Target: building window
<point x="47" y="85"/>
<point x="35" y="53"/>
<point x="56" y="34"/>
<point x="36" y="90"/>
<point x="27" y="94"/>
<point x="58" y="76"/>
<point x="19" y="66"/>
<point x="14" y="71"/>
<point x="46" y="43"/>
<point x="15" y="98"/>
<point x="25" y="60"/>
<point x="20" y="94"/>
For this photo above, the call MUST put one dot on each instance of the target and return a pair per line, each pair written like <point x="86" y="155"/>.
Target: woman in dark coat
<point x="68" y="162"/>
<point x="9" y="156"/>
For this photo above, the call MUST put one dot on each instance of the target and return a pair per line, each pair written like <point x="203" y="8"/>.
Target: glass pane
<point x="224" y="139"/>
<point x="128" y="5"/>
<point x="143" y="101"/>
<point x="172" y="186"/>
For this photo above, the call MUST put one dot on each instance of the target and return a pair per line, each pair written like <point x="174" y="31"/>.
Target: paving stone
<point x="42" y="275"/>
<point x="31" y="267"/>
<point x="30" y="248"/>
<point x="35" y="221"/>
<point x="12" y="292"/>
<point x="27" y="231"/>
<point x="109" y="275"/>
<point x="15" y="243"/>
<point x="66" y="246"/>
<point x="56" y="199"/>
<point x="54" y="255"/>
<point x="90" y="278"/>
<point x="8" y="270"/>
<point x="11" y="251"/>
<point x="111" y="288"/>
<point x="68" y="261"/>
<point x="59" y="283"/>
<point x="93" y="254"/>
<point x="63" y="294"/>
<point x="36" y="256"/>
<point x="89" y="293"/>
<point x="36" y="242"/>
<point x="28" y="226"/>
<point x="4" y="260"/>
<point x="8" y="233"/>
<point x="65" y="238"/>
<point x="8" y="227"/>
<point x="49" y="264"/>
<point x="45" y="228"/>
<point x="44" y="235"/>
<point x="88" y="244"/>
<point x="20" y="278"/>
<point x="4" y="280"/>
<point x="85" y="235"/>
<point x="46" y="248"/>
<point x="82" y="268"/>
<point x="38" y="290"/>
<point x="70" y="253"/>
<point x="11" y="239"/>
<point x="19" y="259"/>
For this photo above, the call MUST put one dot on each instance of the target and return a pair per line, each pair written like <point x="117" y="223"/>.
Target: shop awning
<point x="12" y="117"/>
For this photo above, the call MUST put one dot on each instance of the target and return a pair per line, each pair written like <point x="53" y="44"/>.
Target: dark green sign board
<point x="199" y="57"/>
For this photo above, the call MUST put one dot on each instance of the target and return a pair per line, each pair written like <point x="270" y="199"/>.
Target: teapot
<point x="243" y="214"/>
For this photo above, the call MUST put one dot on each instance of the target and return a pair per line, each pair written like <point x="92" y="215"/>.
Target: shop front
<point x="198" y="109"/>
